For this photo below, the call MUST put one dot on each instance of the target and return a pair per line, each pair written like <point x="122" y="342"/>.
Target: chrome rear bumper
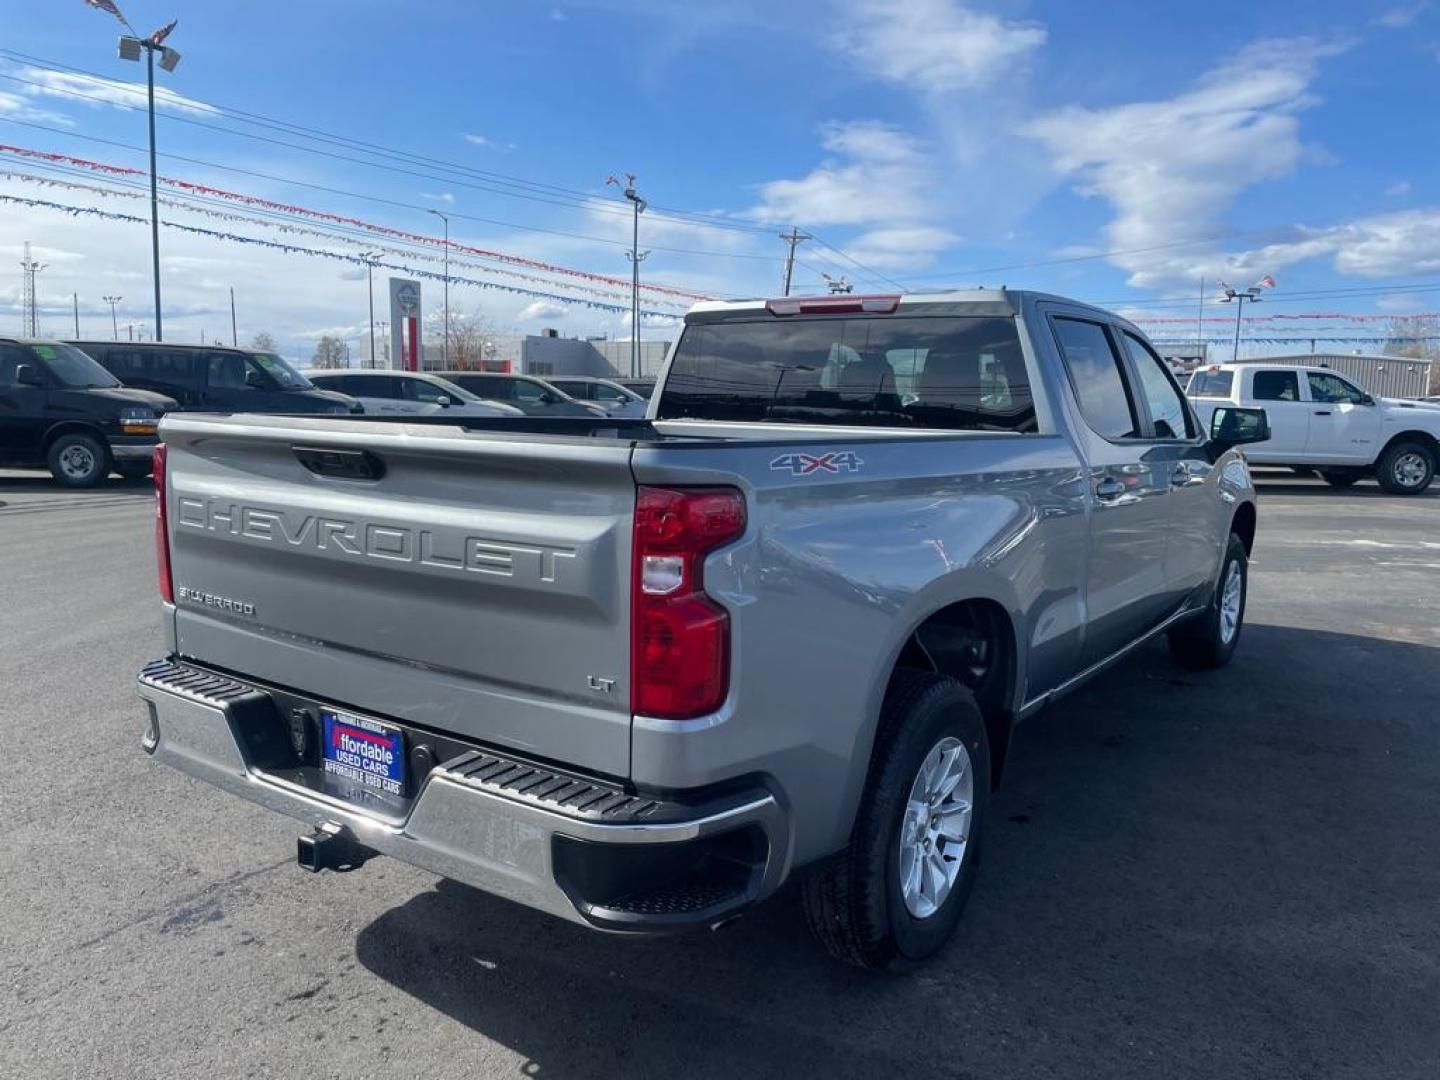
<point x="536" y="836"/>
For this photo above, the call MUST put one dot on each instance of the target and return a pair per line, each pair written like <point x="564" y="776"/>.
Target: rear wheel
<point x="893" y="897"/>
<point x="78" y="460"/>
<point x="1209" y="640"/>
<point x="1338" y="479"/>
<point x="1406" y="468"/>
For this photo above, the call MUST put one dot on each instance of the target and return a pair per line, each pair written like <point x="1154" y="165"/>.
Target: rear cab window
<point x="1098" y="376"/>
<point x="1206" y="383"/>
<point x="959" y="373"/>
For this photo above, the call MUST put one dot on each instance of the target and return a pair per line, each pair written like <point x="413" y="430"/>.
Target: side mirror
<point x="1232" y="426"/>
<point x="548" y="398"/>
<point x="1366" y="399"/>
<point x="28" y="375"/>
<point x="443" y="401"/>
<point x="255" y="380"/>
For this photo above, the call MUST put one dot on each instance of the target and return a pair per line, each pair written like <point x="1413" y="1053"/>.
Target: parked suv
<point x="532" y="396"/>
<point x="216" y="379"/>
<point x="62" y="410"/>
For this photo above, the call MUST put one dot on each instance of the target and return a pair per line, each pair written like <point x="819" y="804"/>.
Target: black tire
<point x="1340" y="479"/>
<point x="854" y="902"/>
<point x="133" y="470"/>
<point x="1201" y="642"/>
<point x="1406" y="468"/>
<point x="78" y="460"/>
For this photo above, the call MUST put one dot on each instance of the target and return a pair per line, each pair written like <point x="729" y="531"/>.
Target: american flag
<point x="108" y="5"/>
<point x="1266" y="282"/>
<point x="164" y="32"/>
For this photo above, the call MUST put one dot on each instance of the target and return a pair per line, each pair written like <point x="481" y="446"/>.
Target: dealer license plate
<point x="363" y="756"/>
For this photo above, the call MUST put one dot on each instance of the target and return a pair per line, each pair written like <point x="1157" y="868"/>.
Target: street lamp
<point x="445" y="334"/>
<point x="113" y="301"/>
<point x="1240" y="297"/>
<point x="130" y="49"/>
<point x="370" y="258"/>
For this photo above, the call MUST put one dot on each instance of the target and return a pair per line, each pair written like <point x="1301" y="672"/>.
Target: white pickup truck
<point x="1323" y="421"/>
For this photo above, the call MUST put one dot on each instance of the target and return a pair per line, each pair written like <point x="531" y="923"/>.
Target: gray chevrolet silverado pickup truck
<point x="640" y="673"/>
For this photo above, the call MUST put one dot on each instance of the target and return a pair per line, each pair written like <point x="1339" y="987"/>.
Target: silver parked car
<point x="530" y="394"/>
<point x="641" y="673"/>
<point x="615" y="399"/>
<point x="407" y="393"/>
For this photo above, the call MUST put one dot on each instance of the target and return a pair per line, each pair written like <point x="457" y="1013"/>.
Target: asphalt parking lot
<point x="1229" y="874"/>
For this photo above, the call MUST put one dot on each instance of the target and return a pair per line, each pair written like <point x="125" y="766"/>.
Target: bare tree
<point x="1418" y="339"/>
<point x="465" y="343"/>
<point x="331" y="352"/>
<point x="264" y="342"/>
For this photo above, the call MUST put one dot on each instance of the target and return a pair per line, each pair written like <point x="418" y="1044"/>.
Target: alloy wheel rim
<point x="77" y="462"/>
<point x="935" y="829"/>
<point x="1230" y="597"/>
<point x="1409" y="470"/>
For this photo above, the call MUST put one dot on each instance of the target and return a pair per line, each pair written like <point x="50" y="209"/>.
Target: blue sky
<point x="923" y="142"/>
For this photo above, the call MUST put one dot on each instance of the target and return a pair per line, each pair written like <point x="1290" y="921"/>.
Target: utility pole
<point x="234" y="337"/>
<point x="445" y="334"/>
<point x="130" y="49"/>
<point x="636" y="257"/>
<point x="793" y="237"/>
<point x="30" y="312"/>
<point x="370" y="258"/>
<point x="114" y="324"/>
<point x="75" y="299"/>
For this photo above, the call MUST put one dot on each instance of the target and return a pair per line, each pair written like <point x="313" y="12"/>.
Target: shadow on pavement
<point x="1226" y="873"/>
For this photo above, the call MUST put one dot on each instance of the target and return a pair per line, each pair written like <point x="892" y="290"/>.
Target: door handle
<point x="1109" y="489"/>
<point x="1322" y="412"/>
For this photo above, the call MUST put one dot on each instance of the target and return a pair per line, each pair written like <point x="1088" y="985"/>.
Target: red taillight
<point x="162" y="533"/>
<point x="679" y="637"/>
<point x="832" y="305"/>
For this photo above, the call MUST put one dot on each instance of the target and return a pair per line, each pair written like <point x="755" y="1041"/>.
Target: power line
<point x="496" y="183"/>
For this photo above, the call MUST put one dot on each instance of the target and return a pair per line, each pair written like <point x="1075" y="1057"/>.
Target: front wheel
<point x="78" y="460"/>
<point x="893" y="897"/>
<point x="1209" y="640"/>
<point x="1406" y="468"/>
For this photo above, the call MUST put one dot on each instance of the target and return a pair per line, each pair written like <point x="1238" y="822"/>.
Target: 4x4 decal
<point x="812" y="465"/>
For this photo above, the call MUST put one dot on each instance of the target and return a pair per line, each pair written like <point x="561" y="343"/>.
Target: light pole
<point x="1240" y="297"/>
<point x="445" y="334"/>
<point x="130" y="49"/>
<point x="113" y="301"/>
<point x="370" y="258"/>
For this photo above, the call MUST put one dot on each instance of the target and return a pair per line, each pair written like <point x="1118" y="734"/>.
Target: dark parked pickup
<point x="60" y="409"/>
<point x="216" y="379"/>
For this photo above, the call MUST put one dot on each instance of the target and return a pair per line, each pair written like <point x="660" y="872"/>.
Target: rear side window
<point x="1211" y="384"/>
<point x="227" y="371"/>
<point x="954" y="373"/>
<point x="1276" y="386"/>
<point x="1097" y="376"/>
<point x="161" y="366"/>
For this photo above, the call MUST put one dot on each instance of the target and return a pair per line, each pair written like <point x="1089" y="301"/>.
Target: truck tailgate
<point x="478" y="586"/>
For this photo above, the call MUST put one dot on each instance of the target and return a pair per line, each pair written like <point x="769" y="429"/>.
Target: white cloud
<point x="490" y="144"/>
<point x="17" y="107"/>
<point x="1397" y="18"/>
<point x="542" y="309"/>
<point x="1400" y="187"/>
<point x="1171" y="169"/>
<point x="93" y="91"/>
<point x="935" y="46"/>
<point x="447" y="197"/>
<point x="881" y="180"/>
